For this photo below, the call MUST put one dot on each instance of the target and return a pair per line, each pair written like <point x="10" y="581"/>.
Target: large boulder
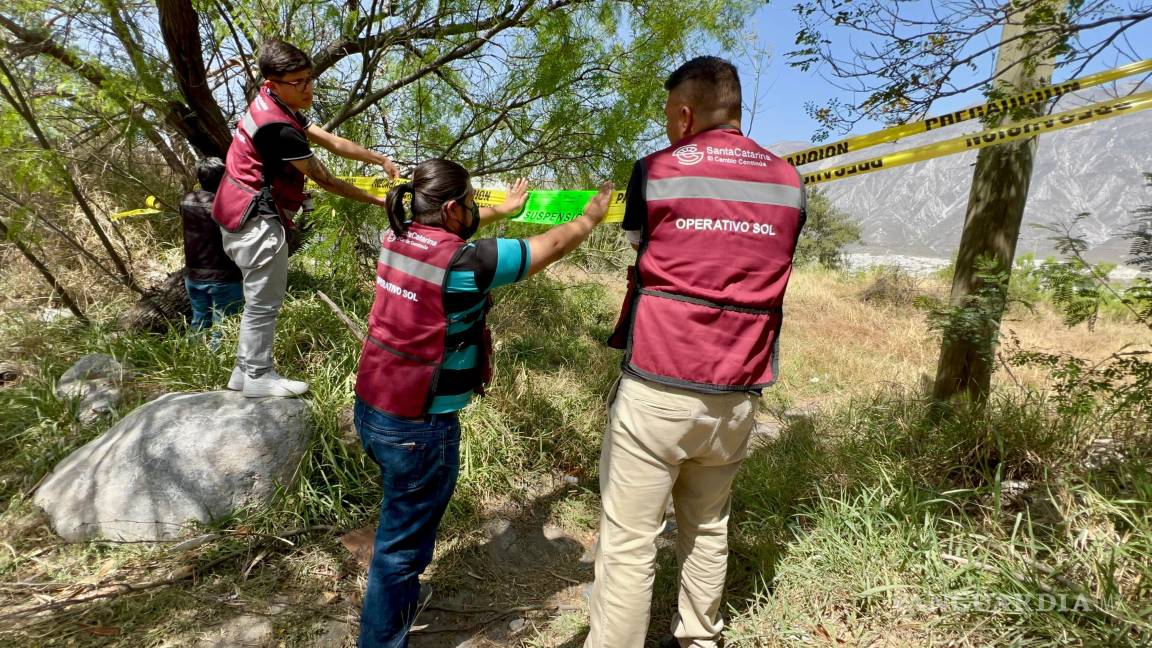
<point x="95" y="381"/>
<point x="178" y="459"/>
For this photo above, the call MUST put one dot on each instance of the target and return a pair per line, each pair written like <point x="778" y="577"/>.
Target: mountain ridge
<point x="1096" y="168"/>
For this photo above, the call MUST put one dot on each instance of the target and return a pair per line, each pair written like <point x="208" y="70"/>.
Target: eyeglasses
<point x="298" y="85"/>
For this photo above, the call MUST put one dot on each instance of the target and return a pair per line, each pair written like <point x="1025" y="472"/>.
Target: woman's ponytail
<point x="394" y="205"/>
<point x="434" y="182"/>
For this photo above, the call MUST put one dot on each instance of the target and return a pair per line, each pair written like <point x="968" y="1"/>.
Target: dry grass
<point x="543" y="420"/>
<point x="147" y="245"/>
<point x="836" y="346"/>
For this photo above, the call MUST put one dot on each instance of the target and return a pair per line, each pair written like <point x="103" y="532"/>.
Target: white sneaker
<point x="236" y="380"/>
<point x="273" y="384"/>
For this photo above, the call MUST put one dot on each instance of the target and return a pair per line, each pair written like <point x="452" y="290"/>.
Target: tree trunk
<point x="201" y="121"/>
<point x="995" y="211"/>
<point x="57" y="287"/>
<point x="160" y="308"/>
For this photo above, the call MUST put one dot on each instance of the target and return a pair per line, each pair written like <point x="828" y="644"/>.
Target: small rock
<point x="501" y="536"/>
<point x="9" y="373"/>
<point x="1013" y="487"/>
<point x="1101" y="453"/>
<point x="95" y="379"/>
<point x="571" y="480"/>
<point x="516" y="625"/>
<point x="50" y="315"/>
<point x="553" y="532"/>
<point x="246" y="630"/>
<point x="94" y="367"/>
<point x="332" y="634"/>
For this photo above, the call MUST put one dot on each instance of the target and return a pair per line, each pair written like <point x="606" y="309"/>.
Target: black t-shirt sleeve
<point x="635" y="207"/>
<point x="281" y="142"/>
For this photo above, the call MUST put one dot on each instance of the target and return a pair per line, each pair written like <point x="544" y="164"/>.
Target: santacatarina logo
<point x="688" y="155"/>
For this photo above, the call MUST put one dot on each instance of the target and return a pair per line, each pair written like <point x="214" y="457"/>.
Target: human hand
<point x="597" y="206"/>
<point x="390" y="168"/>
<point x="514" y="200"/>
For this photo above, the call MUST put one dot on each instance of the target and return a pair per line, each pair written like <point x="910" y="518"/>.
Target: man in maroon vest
<point x="268" y="161"/>
<point x="715" y="219"/>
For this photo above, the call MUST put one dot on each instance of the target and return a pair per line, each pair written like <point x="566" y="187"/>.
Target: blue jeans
<point x="419" y="463"/>
<point x="211" y="302"/>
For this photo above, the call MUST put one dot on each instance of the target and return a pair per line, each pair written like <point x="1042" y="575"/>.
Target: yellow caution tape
<point x="554" y="207"/>
<point x="133" y="212"/>
<point x="1009" y="133"/>
<point x="817" y="153"/>
<point x="152" y="206"/>
<point x="543" y="206"/>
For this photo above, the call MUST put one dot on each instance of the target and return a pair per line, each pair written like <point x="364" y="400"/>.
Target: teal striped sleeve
<point x="512" y="260"/>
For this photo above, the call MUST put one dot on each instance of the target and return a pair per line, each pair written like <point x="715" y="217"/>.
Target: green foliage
<point x="1140" y="234"/>
<point x="1078" y="290"/>
<point x="873" y="524"/>
<point x="1120" y="386"/>
<point x="977" y="319"/>
<point x="826" y="233"/>
<point x="567" y="94"/>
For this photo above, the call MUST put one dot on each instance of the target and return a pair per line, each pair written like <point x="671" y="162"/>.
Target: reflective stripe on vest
<point x="412" y="267"/>
<point x="248" y="125"/>
<point x="723" y="220"/>
<point x="762" y="193"/>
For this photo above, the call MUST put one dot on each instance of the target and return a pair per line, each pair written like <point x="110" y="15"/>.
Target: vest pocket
<point x="680" y="342"/>
<point x="393" y="381"/>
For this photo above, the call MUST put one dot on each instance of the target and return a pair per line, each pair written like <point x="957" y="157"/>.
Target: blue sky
<point x="781" y="115"/>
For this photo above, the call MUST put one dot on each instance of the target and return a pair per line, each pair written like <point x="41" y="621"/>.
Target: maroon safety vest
<point x="245" y="177"/>
<point x="723" y="218"/>
<point x="401" y="359"/>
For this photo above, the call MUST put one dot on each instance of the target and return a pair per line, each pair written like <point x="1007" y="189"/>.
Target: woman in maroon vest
<point x="426" y="354"/>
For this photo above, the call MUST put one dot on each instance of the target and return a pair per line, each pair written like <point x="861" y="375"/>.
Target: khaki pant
<point x="664" y="441"/>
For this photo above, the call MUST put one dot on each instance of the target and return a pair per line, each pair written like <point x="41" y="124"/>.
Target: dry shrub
<point x="141" y="243"/>
<point x="894" y="286"/>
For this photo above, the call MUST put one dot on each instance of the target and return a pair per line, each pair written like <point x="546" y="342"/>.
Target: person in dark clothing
<point x="212" y="280"/>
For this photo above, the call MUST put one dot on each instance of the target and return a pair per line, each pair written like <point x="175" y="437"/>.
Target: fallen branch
<point x="483" y="622"/>
<point x="348" y="321"/>
<point x="183" y="573"/>
<point x="119" y="589"/>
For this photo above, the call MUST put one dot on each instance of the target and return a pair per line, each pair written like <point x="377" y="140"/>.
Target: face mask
<point x="469" y="230"/>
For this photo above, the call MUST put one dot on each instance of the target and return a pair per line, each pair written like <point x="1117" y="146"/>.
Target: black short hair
<point x="210" y="171"/>
<point x="715" y="83"/>
<point x="278" y="58"/>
